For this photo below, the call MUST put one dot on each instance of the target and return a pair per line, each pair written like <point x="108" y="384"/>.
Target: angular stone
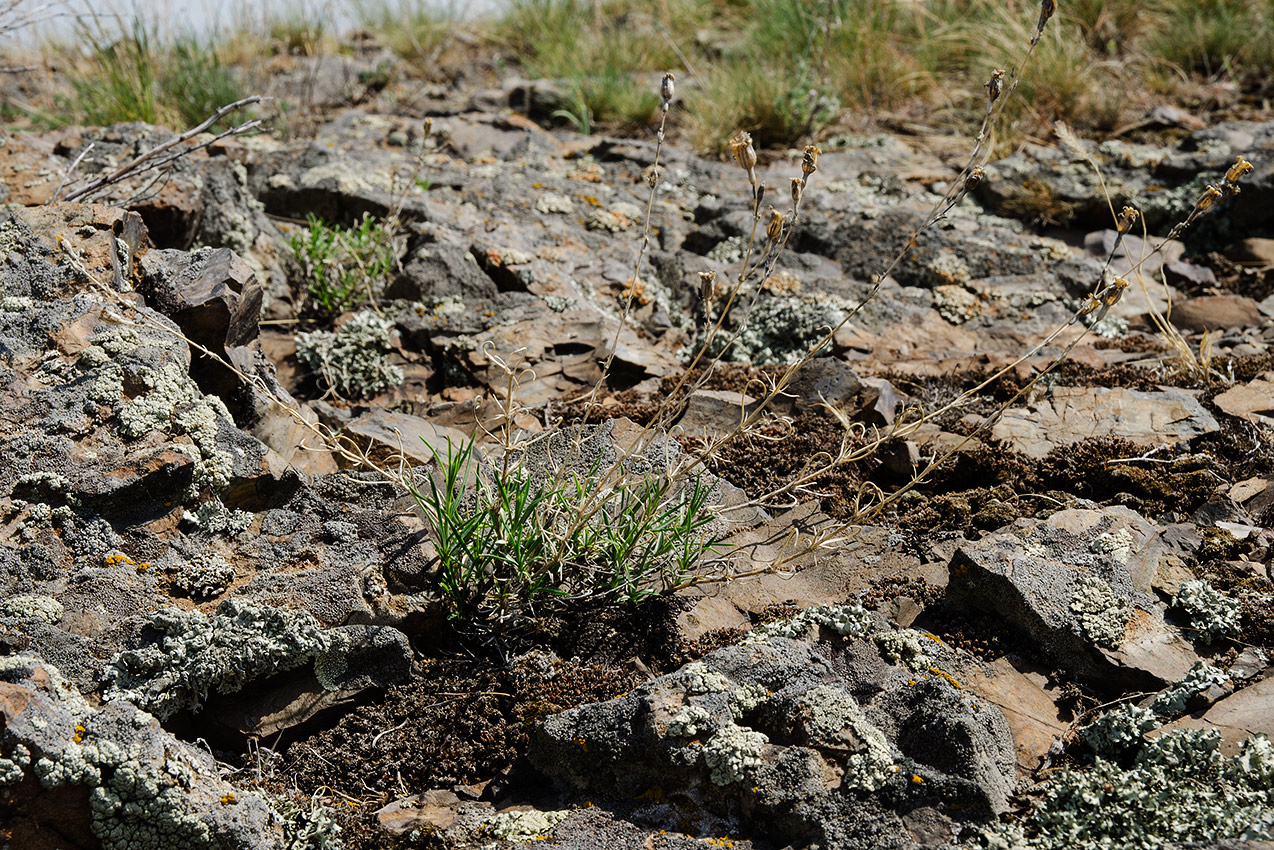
<point x="416" y="438"/>
<point x="1071" y="414"/>
<point x="1253" y="401"/>
<point x="1033" y="579"/>
<point x="715" y="412"/>
<point x="1216" y="312"/>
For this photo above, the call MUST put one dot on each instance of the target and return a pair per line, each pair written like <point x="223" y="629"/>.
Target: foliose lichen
<point x="688" y="722"/>
<point x="733" y="752"/>
<point x="205" y="576"/>
<point x="184" y="656"/>
<point x="1212" y="614"/>
<point x="850" y="620"/>
<point x="904" y="646"/>
<point x="523" y="826"/>
<point x="32" y="606"/>
<point x="700" y="680"/>
<point x="352" y="360"/>
<point x="1101" y="614"/>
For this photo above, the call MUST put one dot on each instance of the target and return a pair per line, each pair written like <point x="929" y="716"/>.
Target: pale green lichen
<point x="1212" y="614"/>
<point x="1178" y="790"/>
<point x="1201" y="676"/>
<point x="1101" y="614"/>
<point x="32" y="606"/>
<point x="1117" y="544"/>
<point x="733" y="752"/>
<point x="906" y="647"/>
<point x="523" y="826"/>
<point x="352" y="361"/>
<point x="850" y="620"/>
<point x="700" y="680"/>
<point x="205" y="576"/>
<point x="186" y="656"/>
<point x="174" y="404"/>
<point x="688" y="722"/>
<point x="1120" y="730"/>
<point x="831" y="711"/>
<point x="215" y="517"/>
<point x="747" y="698"/>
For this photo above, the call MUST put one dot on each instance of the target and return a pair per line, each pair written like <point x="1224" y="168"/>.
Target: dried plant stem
<point x="164" y="153"/>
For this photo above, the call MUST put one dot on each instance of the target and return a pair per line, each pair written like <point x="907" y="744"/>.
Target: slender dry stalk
<point x="168" y="152"/>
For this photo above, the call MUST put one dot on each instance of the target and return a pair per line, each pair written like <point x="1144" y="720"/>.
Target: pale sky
<point x="198" y="16"/>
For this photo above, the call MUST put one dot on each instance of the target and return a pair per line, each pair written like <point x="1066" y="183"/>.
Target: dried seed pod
<point x="759" y="196"/>
<point x="798" y="189"/>
<point x="774" y="229"/>
<point x="1238" y="170"/>
<point x="1207" y="201"/>
<point x="708" y="285"/>
<point x="744" y="153"/>
<point x="1047" y="8"/>
<point x="974" y="178"/>
<point x="1127" y="218"/>
<point x="667" y="90"/>
<point x="1115" y="291"/>
<point x="809" y="164"/>
<point x="994" y="87"/>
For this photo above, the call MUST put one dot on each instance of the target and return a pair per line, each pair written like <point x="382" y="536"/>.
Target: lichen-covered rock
<point x="111" y="777"/>
<point x="1069" y="586"/>
<point x="793" y="740"/>
<point x="182" y="657"/>
<point x="1212" y="614"/>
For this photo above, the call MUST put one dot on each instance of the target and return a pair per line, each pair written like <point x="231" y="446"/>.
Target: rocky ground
<point x="218" y="631"/>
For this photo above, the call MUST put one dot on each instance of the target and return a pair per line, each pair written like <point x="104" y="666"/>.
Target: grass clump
<point x="512" y="539"/>
<point x="343" y="267"/>
<point x="134" y="77"/>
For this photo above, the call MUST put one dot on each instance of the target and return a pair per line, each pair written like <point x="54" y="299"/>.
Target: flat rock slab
<point x="1239" y="716"/>
<point x="1253" y="401"/>
<point x="1067" y="583"/>
<point x="416" y="438"/>
<point x="1071" y="414"/>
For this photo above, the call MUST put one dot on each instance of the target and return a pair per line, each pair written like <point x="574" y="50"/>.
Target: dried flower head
<point x="1235" y="174"/>
<point x="809" y="164"/>
<point x="774" y="229"/>
<point x="1206" y="201"/>
<point x="1115" y="291"/>
<point x="798" y="189"/>
<point x="1127" y="218"/>
<point x="974" y="178"/>
<point x="759" y="194"/>
<point x="995" y="86"/>
<point x="667" y="90"/>
<point x="1047" y="8"/>
<point x="744" y="153"/>
<point x="708" y="285"/>
<point x="651" y="174"/>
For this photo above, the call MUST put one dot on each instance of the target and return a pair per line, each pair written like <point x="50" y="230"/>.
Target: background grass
<point x="788" y="71"/>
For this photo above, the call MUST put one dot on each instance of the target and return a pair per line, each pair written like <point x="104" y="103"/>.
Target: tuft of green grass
<point x="1217" y="36"/>
<point x="343" y="267"/>
<point x="416" y="30"/>
<point x="133" y="77"/>
<point x="511" y="540"/>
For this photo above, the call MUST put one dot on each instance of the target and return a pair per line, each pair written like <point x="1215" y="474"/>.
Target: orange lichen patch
<point x="228" y="799"/>
<point x="117" y="559"/>
<point x="935" y="671"/>
<point x="581" y="743"/>
<point x="917" y="779"/>
<point x="143" y="566"/>
<point x="782" y="283"/>
<point x="79" y="733"/>
<point x="636" y="290"/>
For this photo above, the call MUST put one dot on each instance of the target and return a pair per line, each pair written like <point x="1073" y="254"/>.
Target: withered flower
<point x="667" y="90"/>
<point x="1238" y="170"/>
<point x="798" y="189"/>
<point x="994" y="87"/>
<point x="1127" y="218"/>
<point x="774" y="229"/>
<point x="974" y="178"/>
<point x="809" y="164"/>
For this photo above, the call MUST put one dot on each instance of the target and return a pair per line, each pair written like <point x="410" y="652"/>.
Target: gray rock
<point x="796" y="743"/>
<point x="1075" y="585"/>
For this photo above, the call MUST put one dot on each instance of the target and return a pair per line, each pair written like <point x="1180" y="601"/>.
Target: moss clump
<point x="351" y="362"/>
